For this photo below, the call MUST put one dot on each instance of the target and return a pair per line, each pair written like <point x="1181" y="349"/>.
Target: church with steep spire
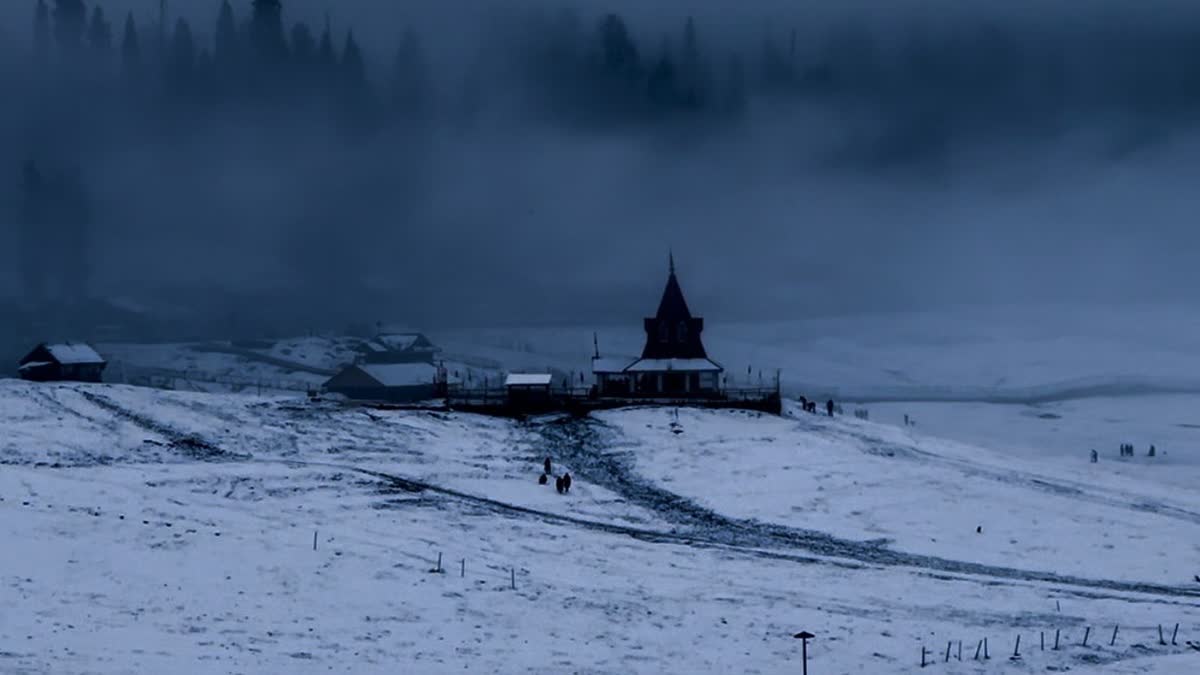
<point x="674" y="363"/>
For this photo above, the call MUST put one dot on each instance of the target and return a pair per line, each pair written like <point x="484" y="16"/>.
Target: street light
<point x="804" y="637"/>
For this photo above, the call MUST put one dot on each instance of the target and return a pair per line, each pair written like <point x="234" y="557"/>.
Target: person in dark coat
<point x="546" y="466"/>
<point x="558" y="484"/>
<point x="829" y="407"/>
<point x="566" y="479"/>
<point x="543" y="479"/>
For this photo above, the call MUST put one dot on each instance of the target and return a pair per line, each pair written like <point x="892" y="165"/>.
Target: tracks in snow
<point x="578" y="442"/>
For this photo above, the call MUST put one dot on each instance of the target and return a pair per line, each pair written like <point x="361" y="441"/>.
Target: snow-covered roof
<point x="401" y="374"/>
<point x="33" y="364"/>
<point x="68" y="353"/>
<point x="528" y="380"/>
<point x="611" y="364"/>
<point x="661" y="365"/>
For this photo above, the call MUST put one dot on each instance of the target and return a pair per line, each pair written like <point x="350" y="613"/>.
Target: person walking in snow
<point x="558" y="484"/>
<point x="543" y="479"/>
<point x="829" y="407"/>
<point x="546" y="466"/>
<point x="1151" y="453"/>
<point x="566" y="479"/>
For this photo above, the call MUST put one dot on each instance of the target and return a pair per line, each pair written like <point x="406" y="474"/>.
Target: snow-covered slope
<point x="153" y="531"/>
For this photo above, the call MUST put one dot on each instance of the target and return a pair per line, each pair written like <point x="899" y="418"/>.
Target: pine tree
<point x="41" y="32"/>
<point x="70" y="24"/>
<point x="693" y="75"/>
<point x="181" y="70"/>
<point x="99" y="32"/>
<point x="304" y="46"/>
<point x="131" y="51"/>
<point x="619" y="52"/>
<point x="226" y="48"/>
<point x="353" y="69"/>
<point x="266" y="34"/>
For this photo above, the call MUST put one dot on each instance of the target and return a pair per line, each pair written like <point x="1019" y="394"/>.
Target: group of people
<point x="811" y="406"/>
<point x="1126" y="451"/>
<point x="561" y="483"/>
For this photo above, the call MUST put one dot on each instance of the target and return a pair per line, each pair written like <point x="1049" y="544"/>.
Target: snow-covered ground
<point x="157" y="531"/>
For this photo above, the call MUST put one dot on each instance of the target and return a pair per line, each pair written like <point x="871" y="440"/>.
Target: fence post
<point x="986" y="656"/>
<point x="948" y="650"/>
<point x="1086" y="633"/>
<point x="1113" y="641"/>
<point x="1161" y="641"/>
<point x="1043" y="640"/>
<point x="960" y="650"/>
<point x="513" y="571"/>
<point x="1174" y="633"/>
<point x="923" y="652"/>
<point x="314" y="540"/>
<point x="464" y="568"/>
<point x="1055" y="639"/>
<point x="1017" y="647"/>
<point x="978" y="647"/>
<point x="439" y="565"/>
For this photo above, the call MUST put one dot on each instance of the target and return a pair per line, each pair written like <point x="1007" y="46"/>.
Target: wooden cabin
<point x="62" y="362"/>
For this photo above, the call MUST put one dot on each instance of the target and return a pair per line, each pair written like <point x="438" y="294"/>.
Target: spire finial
<point x="671" y="260"/>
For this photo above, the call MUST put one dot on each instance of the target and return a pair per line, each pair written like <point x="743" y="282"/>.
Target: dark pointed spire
<point x="671" y="259"/>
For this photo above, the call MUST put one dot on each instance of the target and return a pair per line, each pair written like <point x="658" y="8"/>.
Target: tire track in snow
<point x="578" y="442"/>
<point x="191" y="445"/>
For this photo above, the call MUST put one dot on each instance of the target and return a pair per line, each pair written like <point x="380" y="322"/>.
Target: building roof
<point x="528" y="380"/>
<point x="399" y="342"/>
<point x="672" y="306"/>
<point x="400" y="374"/>
<point x="610" y="364"/>
<point x="65" y="353"/>
<point x="34" y="364"/>
<point x="681" y="365"/>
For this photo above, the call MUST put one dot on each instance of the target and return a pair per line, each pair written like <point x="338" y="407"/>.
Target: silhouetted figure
<point x="543" y="479"/>
<point x="546" y="465"/>
<point x="566" y="480"/>
<point x="558" y="484"/>
<point x="979" y="529"/>
<point x="1151" y="453"/>
<point x="829" y="407"/>
<point x="1095" y="457"/>
<point x="804" y="403"/>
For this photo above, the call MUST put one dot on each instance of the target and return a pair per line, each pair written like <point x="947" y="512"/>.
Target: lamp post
<point x="804" y="637"/>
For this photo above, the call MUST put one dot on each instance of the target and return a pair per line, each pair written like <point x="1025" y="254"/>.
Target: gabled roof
<point x="65" y="353"/>
<point x="400" y="342"/>
<point x="384" y="375"/>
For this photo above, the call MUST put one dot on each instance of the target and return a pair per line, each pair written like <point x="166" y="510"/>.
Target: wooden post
<point x="986" y="656"/>
<point x="1086" y="633"/>
<point x="948" y="650"/>
<point x="923" y="652"/>
<point x="314" y="540"/>
<point x="977" y="648"/>
<point x="1174" y="633"/>
<point x="1161" y="641"/>
<point x="464" y="568"/>
<point x="439" y="565"/>
<point x="513" y="571"/>
<point x="1017" y="647"/>
<point x="960" y="650"/>
<point x="1113" y="641"/>
<point x="1055" y="639"/>
<point x="1043" y="640"/>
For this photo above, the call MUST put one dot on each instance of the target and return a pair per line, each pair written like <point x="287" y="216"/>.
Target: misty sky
<point x="1068" y="180"/>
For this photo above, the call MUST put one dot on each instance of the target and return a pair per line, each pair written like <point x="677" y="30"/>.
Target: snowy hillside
<point x="174" y="532"/>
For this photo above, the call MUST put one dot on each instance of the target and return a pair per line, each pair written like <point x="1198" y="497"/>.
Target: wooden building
<point x="62" y="362"/>
<point x="528" y="388"/>
<point x="674" y="362"/>
<point x="389" y="382"/>
<point x="399" y="348"/>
